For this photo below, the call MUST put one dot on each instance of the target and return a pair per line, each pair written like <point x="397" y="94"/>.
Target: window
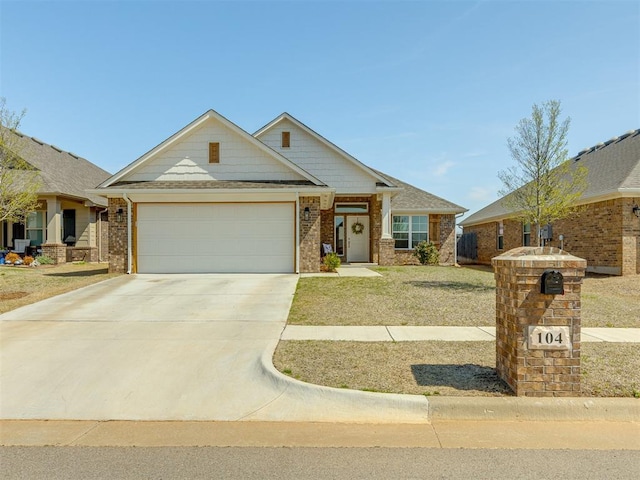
<point x="339" y="235"/>
<point x="409" y="230"/>
<point x="214" y="152"/>
<point x="526" y="234"/>
<point x="286" y="139"/>
<point x="35" y="227"/>
<point x="500" y="235"/>
<point x="352" y="208"/>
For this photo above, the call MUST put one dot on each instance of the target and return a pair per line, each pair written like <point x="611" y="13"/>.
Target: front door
<point x="357" y="243"/>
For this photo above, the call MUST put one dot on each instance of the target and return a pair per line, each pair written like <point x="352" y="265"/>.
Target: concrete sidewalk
<point x="457" y="334"/>
<point x="437" y="434"/>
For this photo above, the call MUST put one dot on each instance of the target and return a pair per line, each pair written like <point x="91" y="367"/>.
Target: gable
<point x="187" y="159"/>
<point x="315" y="155"/>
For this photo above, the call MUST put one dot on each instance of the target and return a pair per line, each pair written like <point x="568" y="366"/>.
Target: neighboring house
<point x="214" y="198"/>
<point x="69" y="224"/>
<point x="606" y="232"/>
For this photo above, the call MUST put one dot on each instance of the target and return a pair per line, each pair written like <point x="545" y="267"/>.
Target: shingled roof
<point x="412" y="198"/>
<point x="613" y="171"/>
<point x="62" y="173"/>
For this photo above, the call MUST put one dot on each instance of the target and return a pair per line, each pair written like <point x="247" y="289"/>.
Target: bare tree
<point x="19" y="181"/>
<point x="543" y="186"/>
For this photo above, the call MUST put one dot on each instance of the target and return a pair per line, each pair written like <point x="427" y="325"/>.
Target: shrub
<point x="28" y="260"/>
<point x="331" y="261"/>
<point x="45" y="260"/>
<point x="427" y="253"/>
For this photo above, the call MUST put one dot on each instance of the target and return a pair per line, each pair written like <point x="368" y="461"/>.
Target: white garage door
<point x="210" y="238"/>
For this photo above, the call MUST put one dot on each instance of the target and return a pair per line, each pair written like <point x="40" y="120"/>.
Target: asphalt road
<point x="313" y="463"/>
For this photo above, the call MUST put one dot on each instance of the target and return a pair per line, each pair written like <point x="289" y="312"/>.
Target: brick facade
<point x="56" y="251"/>
<point x="82" y="254"/>
<point x="606" y="234"/>
<point x="445" y="241"/>
<point x="310" y="234"/>
<point x="117" y="237"/>
<point x="520" y="304"/>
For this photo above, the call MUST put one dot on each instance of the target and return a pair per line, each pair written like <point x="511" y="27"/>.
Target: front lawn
<point x="21" y="286"/>
<point x="447" y="296"/>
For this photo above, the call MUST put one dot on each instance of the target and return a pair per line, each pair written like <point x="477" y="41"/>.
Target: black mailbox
<point x="552" y="283"/>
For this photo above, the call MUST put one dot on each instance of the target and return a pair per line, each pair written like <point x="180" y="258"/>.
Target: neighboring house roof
<point x="613" y="170"/>
<point x="382" y="182"/>
<point x="62" y="173"/>
<point x="209" y="115"/>
<point x="412" y="198"/>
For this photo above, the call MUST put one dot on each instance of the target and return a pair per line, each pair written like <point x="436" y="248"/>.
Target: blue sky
<point x="426" y="91"/>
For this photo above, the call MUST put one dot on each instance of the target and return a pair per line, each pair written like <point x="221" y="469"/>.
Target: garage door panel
<point x="206" y="238"/>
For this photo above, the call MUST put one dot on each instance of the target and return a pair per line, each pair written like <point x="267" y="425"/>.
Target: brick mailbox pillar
<point x="537" y="333"/>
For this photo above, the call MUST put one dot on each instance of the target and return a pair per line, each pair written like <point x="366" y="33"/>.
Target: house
<point x="69" y="224"/>
<point x="214" y="198"/>
<point x="605" y="232"/>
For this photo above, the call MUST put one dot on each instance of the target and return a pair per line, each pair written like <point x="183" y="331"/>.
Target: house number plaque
<point x="549" y="338"/>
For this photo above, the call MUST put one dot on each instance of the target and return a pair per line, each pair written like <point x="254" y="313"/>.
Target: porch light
<point x="119" y="213"/>
<point x="636" y="211"/>
<point x="307" y="214"/>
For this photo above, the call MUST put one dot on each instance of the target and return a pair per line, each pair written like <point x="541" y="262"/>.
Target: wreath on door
<point x="357" y="228"/>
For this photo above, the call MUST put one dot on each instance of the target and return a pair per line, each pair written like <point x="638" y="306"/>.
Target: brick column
<point x="387" y="251"/>
<point x="538" y="334"/>
<point x="118" y="262"/>
<point x="56" y="251"/>
<point x="310" y="235"/>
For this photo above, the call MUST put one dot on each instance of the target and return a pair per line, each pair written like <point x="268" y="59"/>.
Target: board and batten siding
<point x="319" y="160"/>
<point x="189" y="159"/>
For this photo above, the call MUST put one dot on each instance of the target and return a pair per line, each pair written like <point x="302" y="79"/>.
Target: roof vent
<point x="73" y="155"/>
<point x="37" y="141"/>
<point x="56" y="148"/>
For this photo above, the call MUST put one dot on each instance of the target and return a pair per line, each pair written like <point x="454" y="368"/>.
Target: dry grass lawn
<point x="447" y="296"/>
<point x="443" y="368"/>
<point x="451" y="296"/>
<point x="21" y="286"/>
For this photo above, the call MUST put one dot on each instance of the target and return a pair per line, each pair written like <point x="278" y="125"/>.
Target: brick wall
<point x="446" y="243"/>
<point x="58" y="252"/>
<point x="117" y="237"/>
<point x="606" y="234"/>
<point x="103" y="228"/>
<point x="310" y="231"/>
<point x="519" y="304"/>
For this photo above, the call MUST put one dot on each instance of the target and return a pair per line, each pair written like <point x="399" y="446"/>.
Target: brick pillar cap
<point x="538" y="254"/>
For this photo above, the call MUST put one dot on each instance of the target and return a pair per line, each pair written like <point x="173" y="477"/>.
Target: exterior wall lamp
<point x="636" y="211"/>
<point x="119" y="213"/>
<point x="307" y="214"/>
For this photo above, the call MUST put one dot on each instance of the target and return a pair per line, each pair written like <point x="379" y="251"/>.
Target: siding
<point x="319" y="160"/>
<point x="189" y="159"/>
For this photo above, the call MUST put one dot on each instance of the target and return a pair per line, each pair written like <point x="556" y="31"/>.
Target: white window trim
<point x="410" y="232"/>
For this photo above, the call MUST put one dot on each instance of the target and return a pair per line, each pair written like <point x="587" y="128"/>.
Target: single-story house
<point x="69" y="223"/>
<point x="214" y="198"/>
<point x="605" y="232"/>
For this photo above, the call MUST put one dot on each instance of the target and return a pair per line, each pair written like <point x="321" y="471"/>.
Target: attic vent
<point x="214" y="152"/>
<point x="74" y="155"/>
<point x="56" y="148"/>
<point x="286" y="139"/>
<point x="37" y="141"/>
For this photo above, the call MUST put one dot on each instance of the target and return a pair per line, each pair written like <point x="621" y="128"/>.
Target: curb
<point x="305" y="402"/>
<point x="570" y="409"/>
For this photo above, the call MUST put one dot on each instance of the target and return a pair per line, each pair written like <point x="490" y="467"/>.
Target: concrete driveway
<point x="169" y="347"/>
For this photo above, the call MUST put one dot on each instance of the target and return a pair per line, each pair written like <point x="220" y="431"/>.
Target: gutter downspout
<point x="129" y="249"/>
